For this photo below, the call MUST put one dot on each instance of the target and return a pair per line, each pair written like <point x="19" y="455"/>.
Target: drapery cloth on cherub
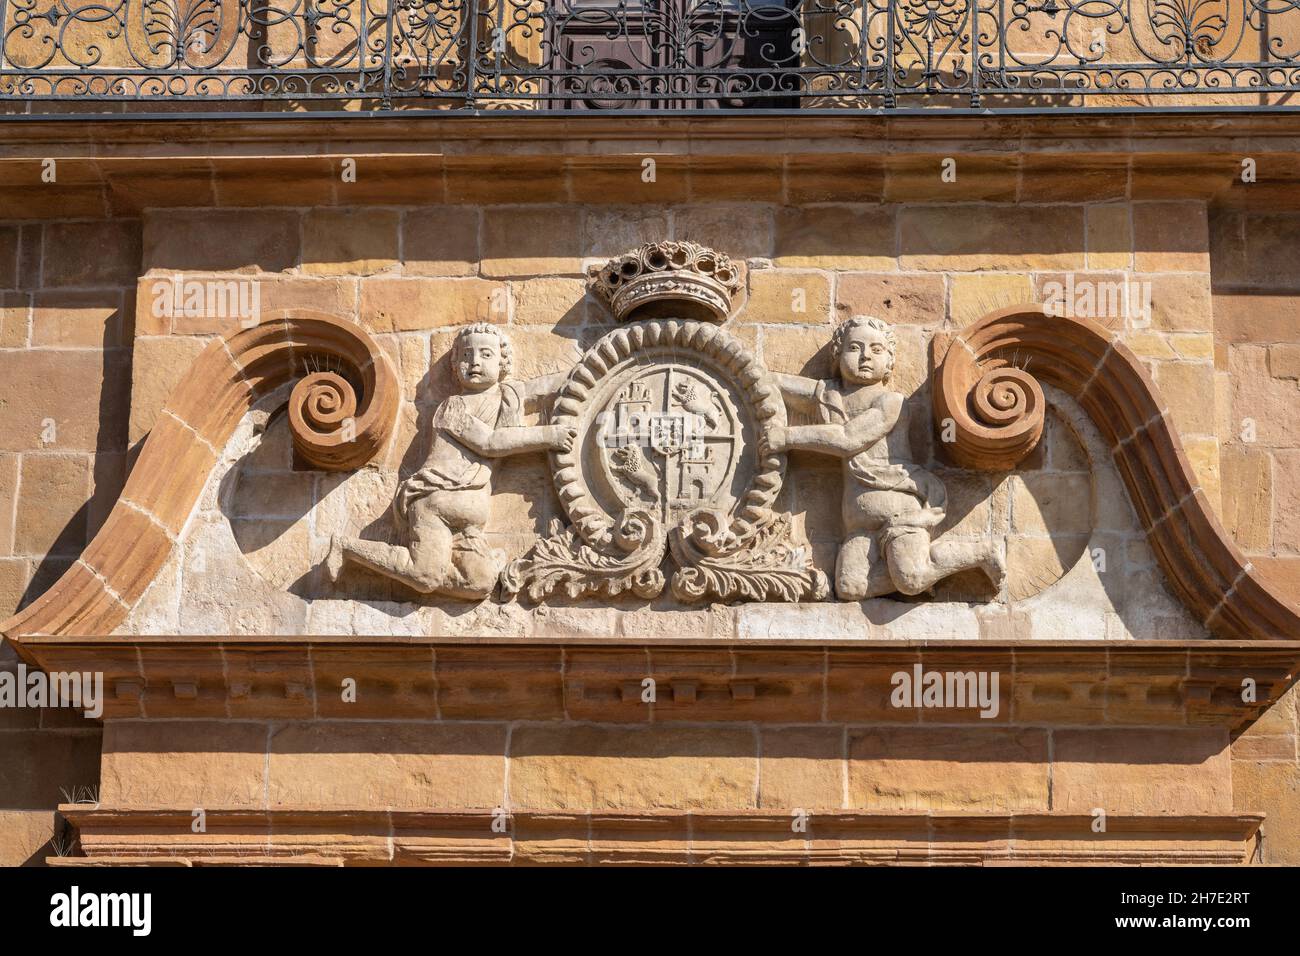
<point x="876" y="474"/>
<point x="458" y="467"/>
<point x="890" y="504"/>
<point x="443" y="507"/>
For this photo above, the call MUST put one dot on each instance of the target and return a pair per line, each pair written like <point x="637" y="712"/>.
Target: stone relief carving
<point x="667" y="439"/>
<point x="692" y="501"/>
<point x="890" y="504"/>
<point x="672" y="417"/>
<point x="443" y="507"/>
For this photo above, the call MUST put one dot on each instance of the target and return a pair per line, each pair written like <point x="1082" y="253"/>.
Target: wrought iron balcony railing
<point x="557" y="55"/>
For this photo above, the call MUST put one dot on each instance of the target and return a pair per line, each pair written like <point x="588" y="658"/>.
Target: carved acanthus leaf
<point x="565" y="562"/>
<point x="763" y="565"/>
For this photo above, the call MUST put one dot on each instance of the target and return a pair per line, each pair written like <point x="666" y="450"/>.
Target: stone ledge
<point x="1062" y="683"/>
<point x="123" y="165"/>
<point x="452" y="837"/>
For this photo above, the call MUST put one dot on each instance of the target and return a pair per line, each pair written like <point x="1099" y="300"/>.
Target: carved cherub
<point x="445" y="504"/>
<point x="890" y="503"/>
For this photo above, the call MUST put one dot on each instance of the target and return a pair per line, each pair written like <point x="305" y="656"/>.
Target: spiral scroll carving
<point x="341" y="413"/>
<point x="989" y="410"/>
<point x="995" y="408"/>
<point x="319" y="409"/>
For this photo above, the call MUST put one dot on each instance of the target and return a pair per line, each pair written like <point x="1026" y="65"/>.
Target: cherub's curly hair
<point x="858" y="321"/>
<point x="507" y="354"/>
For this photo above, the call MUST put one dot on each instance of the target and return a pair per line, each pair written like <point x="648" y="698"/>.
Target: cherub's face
<point x="478" y="361"/>
<point x="865" y="358"/>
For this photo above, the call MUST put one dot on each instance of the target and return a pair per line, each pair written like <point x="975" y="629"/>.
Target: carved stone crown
<point x="669" y="279"/>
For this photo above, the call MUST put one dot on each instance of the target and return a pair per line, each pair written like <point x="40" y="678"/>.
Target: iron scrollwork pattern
<point x="652" y="54"/>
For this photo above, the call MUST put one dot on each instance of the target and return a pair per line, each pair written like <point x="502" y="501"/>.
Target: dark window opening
<point x="676" y="54"/>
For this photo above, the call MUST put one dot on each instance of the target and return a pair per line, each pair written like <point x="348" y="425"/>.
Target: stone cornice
<point x="124" y="166"/>
<point x="1062" y="683"/>
<point x="875" y="131"/>
<point x="449" y="837"/>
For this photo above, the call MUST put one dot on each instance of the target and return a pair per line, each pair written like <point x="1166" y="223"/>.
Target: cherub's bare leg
<point x="860" y="569"/>
<point x="424" y="566"/>
<point x="916" y="564"/>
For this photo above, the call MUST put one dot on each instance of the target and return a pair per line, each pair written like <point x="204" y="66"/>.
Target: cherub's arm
<point x="539" y="391"/>
<point x="799" y="392"/>
<point x="515" y="440"/>
<point x="843" y="441"/>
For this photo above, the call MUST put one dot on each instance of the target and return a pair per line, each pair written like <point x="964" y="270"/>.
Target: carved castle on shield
<point x="671" y="456"/>
<point x="667" y="443"/>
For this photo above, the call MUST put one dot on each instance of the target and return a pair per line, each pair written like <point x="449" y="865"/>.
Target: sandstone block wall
<point x="1257" y="342"/>
<point x="67" y="313"/>
<point x="82" y="347"/>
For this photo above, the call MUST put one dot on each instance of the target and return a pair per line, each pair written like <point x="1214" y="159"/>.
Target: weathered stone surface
<point x="8" y="493"/>
<point x="550" y="301"/>
<point x="200" y="765"/>
<point x="531" y="241"/>
<point x="1263" y="407"/>
<point x="259" y="181"/>
<point x="404" y="305"/>
<point x="1203" y="455"/>
<point x="1180" y="303"/>
<point x="1141" y="771"/>
<point x="1286" y="528"/>
<point x="999" y="238"/>
<point x="26" y="835"/>
<point x="920" y="768"/>
<point x="630" y="179"/>
<point x="836" y="237"/>
<point x="77" y="319"/>
<point x="801" y="768"/>
<point x="473" y="179"/>
<point x="13" y="580"/>
<point x="612" y="230"/>
<point x="1109" y="236"/>
<point x="1051" y="177"/>
<point x="837" y="178"/>
<point x="405" y="766"/>
<point x="42" y="412"/>
<point x="39" y="763"/>
<point x="741" y="230"/>
<point x="1252" y="316"/>
<point x="210" y="240"/>
<point x="975" y="295"/>
<point x="15" y="318"/>
<point x="1284" y="360"/>
<point x="1049" y="504"/>
<point x="84" y="254"/>
<point x="1186" y="386"/>
<point x="782" y="295"/>
<point x="1171" y="237"/>
<point x="159" y="364"/>
<point x="354" y="241"/>
<point x="1274" y="790"/>
<point x="898" y="298"/>
<point x="593" y="767"/>
<point x="961" y="178"/>
<point x="9" y="246"/>
<point x="49" y="516"/>
<point x="751" y="179"/>
<point x="440" y="241"/>
<point x="337" y="296"/>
